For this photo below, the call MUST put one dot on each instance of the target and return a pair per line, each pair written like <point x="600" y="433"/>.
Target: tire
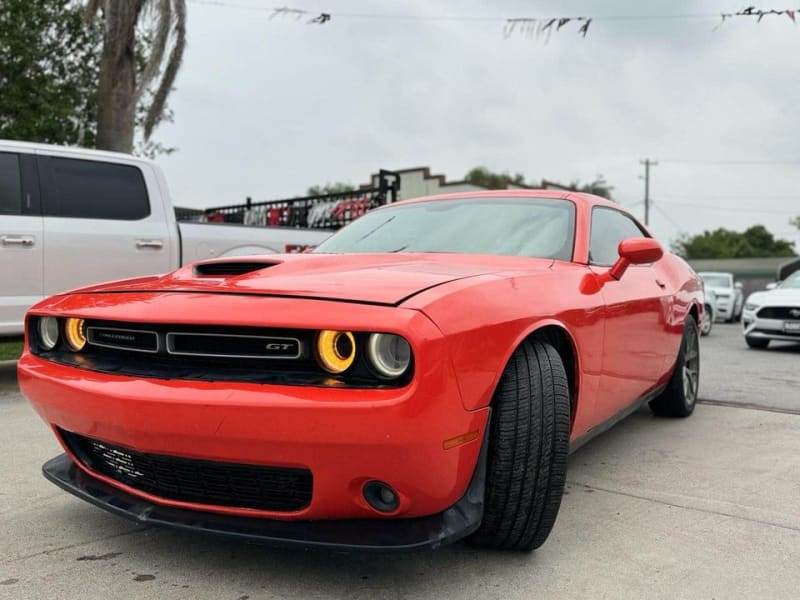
<point x="528" y="447"/>
<point x="758" y="343"/>
<point x="680" y="395"/>
<point x="707" y="322"/>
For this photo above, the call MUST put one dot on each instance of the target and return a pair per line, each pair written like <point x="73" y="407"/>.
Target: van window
<point x="10" y="185"/>
<point x="91" y="189"/>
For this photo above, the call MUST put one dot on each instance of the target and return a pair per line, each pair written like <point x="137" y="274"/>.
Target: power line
<point x="667" y="217"/>
<point x="687" y="161"/>
<point x="787" y="213"/>
<point x="388" y="16"/>
<point x="730" y="197"/>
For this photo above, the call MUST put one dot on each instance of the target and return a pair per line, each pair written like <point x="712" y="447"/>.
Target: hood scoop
<point x="230" y="269"/>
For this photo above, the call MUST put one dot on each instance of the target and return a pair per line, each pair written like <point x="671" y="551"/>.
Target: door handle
<point x="14" y="240"/>
<point x="661" y="284"/>
<point x="155" y="244"/>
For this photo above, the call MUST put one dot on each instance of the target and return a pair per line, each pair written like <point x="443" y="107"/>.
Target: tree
<point x="795" y="222"/>
<point x="754" y="242"/>
<point x="598" y="187"/>
<point x="49" y="64"/>
<point x="493" y="181"/>
<point x="330" y="188"/>
<point x="159" y="25"/>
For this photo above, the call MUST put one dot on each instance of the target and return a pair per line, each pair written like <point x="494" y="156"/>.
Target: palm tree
<point x="124" y="81"/>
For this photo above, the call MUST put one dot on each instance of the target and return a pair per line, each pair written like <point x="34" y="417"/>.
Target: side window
<point x="609" y="228"/>
<point x="91" y="189"/>
<point x="10" y="185"/>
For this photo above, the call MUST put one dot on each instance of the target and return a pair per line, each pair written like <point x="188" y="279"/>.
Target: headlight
<point x="48" y="332"/>
<point x="75" y="334"/>
<point x="389" y="354"/>
<point x="336" y="350"/>
<point x="750" y="306"/>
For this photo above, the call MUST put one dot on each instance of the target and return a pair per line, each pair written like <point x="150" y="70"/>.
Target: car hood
<point x="386" y="279"/>
<point x="777" y="297"/>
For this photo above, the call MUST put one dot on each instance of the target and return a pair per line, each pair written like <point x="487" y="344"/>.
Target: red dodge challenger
<point x="419" y="378"/>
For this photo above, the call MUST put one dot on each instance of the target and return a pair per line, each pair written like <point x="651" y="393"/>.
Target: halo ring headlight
<point x="336" y="350"/>
<point x="75" y="333"/>
<point x="48" y="332"/>
<point x="389" y="354"/>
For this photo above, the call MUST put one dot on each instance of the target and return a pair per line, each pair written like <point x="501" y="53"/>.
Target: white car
<point x="730" y="299"/>
<point x="773" y="314"/>
<point x="709" y="311"/>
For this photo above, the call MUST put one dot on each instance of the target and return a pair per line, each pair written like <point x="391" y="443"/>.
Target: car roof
<point x="577" y="197"/>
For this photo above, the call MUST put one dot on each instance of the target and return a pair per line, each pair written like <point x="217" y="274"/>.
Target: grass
<point x="10" y="350"/>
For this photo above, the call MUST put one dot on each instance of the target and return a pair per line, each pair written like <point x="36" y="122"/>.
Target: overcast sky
<point x="268" y="107"/>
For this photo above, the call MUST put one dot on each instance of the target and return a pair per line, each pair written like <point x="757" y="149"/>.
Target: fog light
<point x="48" y="332"/>
<point x="75" y="334"/>
<point x="381" y="496"/>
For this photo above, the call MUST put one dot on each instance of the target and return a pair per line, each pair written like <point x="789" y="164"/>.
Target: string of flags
<point x="752" y="11"/>
<point x="543" y="28"/>
<point x="530" y="27"/>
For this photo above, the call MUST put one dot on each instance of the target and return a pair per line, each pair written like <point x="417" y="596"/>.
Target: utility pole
<point x="647" y="164"/>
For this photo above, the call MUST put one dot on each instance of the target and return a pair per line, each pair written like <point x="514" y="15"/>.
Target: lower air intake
<point x="204" y="482"/>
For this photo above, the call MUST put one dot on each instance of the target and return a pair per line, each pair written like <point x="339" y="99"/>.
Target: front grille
<point x="279" y="489"/>
<point x="225" y="345"/>
<point x="123" y="339"/>
<point x="779" y="312"/>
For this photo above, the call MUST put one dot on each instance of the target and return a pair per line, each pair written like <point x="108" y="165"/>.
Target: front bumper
<point x="345" y="437"/>
<point x="767" y="329"/>
<point x="724" y="308"/>
<point x="432" y="531"/>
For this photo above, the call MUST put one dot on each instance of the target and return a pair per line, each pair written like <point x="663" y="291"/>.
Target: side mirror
<point x="635" y="251"/>
<point x="738" y="285"/>
<point x="772" y="285"/>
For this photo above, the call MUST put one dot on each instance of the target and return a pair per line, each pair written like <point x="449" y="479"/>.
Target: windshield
<point x="792" y="282"/>
<point x="717" y="280"/>
<point x="535" y="227"/>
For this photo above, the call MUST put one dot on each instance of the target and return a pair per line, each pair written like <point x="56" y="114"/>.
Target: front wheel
<point x="528" y="446"/>
<point x="680" y="395"/>
<point x="707" y="321"/>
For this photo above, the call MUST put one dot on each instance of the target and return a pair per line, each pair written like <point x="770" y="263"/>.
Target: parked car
<point x="729" y="295"/>
<point x="773" y="314"/>
<point x="70" y="217"/>
<point x="418" y="378"/>
<point x="709" y="312"/>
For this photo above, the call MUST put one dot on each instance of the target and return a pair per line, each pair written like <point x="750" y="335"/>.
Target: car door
<point x="21" y="248"/>
<point x="635" y="333"/>
<point x="100" y="223"/>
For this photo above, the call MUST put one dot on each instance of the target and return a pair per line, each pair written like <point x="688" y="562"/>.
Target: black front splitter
<point x="432" y="531"/>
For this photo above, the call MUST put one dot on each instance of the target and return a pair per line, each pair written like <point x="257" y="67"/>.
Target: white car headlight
<point x="750" y="306"/>
<point x="389" y="354"/>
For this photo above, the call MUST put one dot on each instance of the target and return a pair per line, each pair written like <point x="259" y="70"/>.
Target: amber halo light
<point x="75" y="333"/>
<point x="336" y="350"/>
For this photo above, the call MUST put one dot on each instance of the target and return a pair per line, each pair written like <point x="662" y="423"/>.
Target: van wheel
<point x="528" y="447"/>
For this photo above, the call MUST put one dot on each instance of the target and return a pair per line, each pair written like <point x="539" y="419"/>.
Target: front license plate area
<point x="791" y="326"/>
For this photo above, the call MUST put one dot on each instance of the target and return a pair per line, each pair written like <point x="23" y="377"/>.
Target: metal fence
<point x="324" y="211"/>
